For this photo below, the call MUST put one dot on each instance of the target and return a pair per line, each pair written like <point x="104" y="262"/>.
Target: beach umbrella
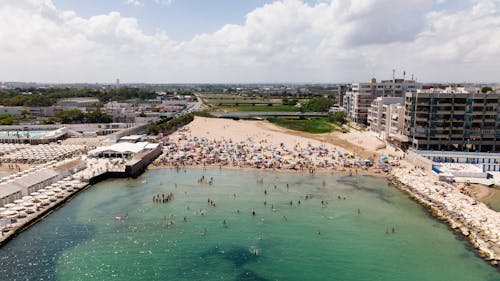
<point x="8" y="213"/>
<point x="10" y="205"/>
<point x="19" y="208"/>
<point x="18" y="201"/>
<point x="384" y="158"/>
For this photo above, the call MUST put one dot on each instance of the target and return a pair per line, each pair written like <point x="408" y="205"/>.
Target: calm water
<point x="83" y="241"/>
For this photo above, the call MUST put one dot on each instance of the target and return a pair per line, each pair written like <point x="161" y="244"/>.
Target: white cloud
<point x="288" y="40"/>
<point x="141" y="2"/>
<point x="134" y="2"/>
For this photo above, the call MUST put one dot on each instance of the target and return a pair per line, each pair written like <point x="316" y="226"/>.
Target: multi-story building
<point x="386" y="116"/>
<point x="358" y="100"/>
<point x="84" y="102"/>
<point x="461" y="119"/>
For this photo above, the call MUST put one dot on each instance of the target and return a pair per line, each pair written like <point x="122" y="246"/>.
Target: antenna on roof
<point x="412" y="77"/>
<point x="394" y="75"/>
<point x="404" y="74"/>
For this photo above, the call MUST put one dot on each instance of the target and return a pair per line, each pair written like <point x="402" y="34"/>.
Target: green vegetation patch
<point x="312" y="125"/>
<point x="7" y="119"/>
<point x="166" y="125"/>
<point x="260" y="108"/>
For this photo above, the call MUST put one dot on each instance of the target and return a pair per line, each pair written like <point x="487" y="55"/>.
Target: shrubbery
<point x="169" y="124"/>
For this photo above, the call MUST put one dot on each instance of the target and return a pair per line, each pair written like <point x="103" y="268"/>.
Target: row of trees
<point x="49" y="96"/>
<point x="7" y="119"/>
<point x="168" y="124"/>
<point x="73" y="116"/>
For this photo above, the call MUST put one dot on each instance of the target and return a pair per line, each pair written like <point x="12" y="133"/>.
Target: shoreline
<point x="318" y="171"/>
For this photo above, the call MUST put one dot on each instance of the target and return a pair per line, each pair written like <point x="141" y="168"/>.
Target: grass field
<point x="259" y="108"/>
<point x="312" y="125"/>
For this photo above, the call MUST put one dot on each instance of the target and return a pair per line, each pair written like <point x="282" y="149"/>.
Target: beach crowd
<point x="187" y="150"/>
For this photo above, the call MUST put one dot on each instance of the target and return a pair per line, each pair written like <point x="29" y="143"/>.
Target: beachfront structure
<point x="489" y="162"/>
<point x="123" y="149"/>
<point x="25" y="183"/>
<point x="34" y="137"/>
<point x="358" y="100"/>
<point x="461" y="119"/>
<point x="386" y="117"/>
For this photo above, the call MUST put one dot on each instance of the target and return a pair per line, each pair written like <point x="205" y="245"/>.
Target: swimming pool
<point x="20" y="133"/>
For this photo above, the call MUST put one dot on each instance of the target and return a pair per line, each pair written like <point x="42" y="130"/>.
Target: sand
<point x="241" y="130"/>
<point x="14" y="167"/>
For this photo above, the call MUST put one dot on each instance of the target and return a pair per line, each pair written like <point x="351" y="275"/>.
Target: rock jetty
<point x="478" y="223"/>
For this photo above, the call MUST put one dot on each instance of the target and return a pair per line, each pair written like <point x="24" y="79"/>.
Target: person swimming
<point x="253" y="213"/>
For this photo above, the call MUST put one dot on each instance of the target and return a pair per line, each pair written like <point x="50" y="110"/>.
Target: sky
<point x="248" y="41"/>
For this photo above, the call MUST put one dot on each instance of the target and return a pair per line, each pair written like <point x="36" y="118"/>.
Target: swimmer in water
<point x="285" y="218"/>
<point x="253" y="213"/>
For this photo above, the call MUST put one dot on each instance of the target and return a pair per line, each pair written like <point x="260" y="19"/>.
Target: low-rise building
<point x="83" y="102"/>
<point x="123" y="149"/>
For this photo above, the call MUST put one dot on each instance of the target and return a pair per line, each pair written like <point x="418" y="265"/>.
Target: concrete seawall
<point x="31" y="219"/>
<point x="474" y="220"/>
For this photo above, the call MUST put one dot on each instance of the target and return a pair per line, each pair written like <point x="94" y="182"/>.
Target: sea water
<point x="375" y="233"/>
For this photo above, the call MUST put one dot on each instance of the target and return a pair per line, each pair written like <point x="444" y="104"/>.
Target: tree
<point x="338" y="117"/>
<point x="7" y="119"/>
<point x="319" y="104"/>
<point x="70" y="116"/>
<point x="25" y="113"/>
<point x="98" y="117"/>
<point x="486" y="89"/>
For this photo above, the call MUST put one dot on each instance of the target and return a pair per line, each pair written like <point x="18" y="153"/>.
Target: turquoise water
<point x="83" y="241"/>
<point x="20" y="133"/>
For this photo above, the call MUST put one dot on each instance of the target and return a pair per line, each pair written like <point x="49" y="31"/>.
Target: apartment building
<point x="461" y="119"/>
<point x="358" y="100"/>
<point x="386" y="117"/>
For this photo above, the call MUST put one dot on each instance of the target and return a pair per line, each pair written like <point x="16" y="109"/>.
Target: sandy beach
<point x="261" y="145"/>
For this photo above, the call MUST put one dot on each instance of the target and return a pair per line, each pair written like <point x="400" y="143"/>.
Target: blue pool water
<point x="20" y="133"/>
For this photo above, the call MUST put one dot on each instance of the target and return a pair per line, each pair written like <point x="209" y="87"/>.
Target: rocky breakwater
<point x="473" y="219"/>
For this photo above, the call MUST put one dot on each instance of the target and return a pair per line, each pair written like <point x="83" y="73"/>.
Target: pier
<point x="478" y="223"/>
<point x="52" y="195"/>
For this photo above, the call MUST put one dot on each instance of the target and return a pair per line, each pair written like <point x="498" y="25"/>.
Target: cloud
<point x="288" y="40"/>
<point x="134" y="2"/>
<point x="141" y="2"/>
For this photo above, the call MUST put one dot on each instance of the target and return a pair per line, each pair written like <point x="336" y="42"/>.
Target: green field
<point x="258" y="108"/>
<point x="312" y="125"/>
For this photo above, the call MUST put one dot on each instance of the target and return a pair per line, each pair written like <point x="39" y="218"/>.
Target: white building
<point x="123" y="149"/>
<point x="358" y="101"/>
<point x="386" y="116"/>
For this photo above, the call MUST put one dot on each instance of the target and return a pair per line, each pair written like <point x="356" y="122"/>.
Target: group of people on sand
<point x="187" y="150"/>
